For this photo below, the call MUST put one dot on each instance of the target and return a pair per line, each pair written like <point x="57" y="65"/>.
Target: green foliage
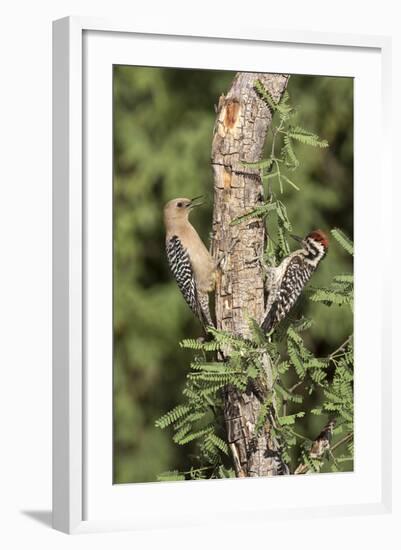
<point x="200" y="416"/>
<point x="282" y="155"/>
<point x="213" y="442"/>
<point x="305" y="137"/>
<point x="339" y="397"/>
<point x="303" y="361"/>
<point x="163" y="121"/>
<point x="263" y="413"/>
<point x="290" y="419"/>
<point x="172" y="416"/>
<point x="341" y="290"/>
<point x="344" y="241"/>
<point x="259" y="212"/>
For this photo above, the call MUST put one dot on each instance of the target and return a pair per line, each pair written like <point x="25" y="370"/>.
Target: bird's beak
<point x="196" y="201"/>
<point x="299" y="239"/>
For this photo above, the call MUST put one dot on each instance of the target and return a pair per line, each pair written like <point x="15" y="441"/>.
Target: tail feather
<point x="204" y="311"/>
<point x="270" y="319"/>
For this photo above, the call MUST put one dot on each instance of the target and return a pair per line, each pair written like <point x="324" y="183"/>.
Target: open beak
<point x="299" y="239"/>
<point x="196" y="201"/>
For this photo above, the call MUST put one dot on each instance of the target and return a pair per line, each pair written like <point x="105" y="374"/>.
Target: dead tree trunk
<point x="239" y="135"/>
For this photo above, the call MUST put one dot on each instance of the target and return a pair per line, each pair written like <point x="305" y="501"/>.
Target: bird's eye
<point x="179" y="204"/>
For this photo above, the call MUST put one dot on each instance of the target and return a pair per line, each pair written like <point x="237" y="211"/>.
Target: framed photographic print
<point x="213" y="296"/>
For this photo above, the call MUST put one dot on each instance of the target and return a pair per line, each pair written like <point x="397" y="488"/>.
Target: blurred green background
<point x="163" y="123"/>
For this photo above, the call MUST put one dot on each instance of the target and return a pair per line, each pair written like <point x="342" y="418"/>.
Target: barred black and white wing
<point x="295" y="277"/>
<point x="181" y="268"/>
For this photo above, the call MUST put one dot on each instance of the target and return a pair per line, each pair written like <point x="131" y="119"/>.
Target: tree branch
<point x="242" y="122"/>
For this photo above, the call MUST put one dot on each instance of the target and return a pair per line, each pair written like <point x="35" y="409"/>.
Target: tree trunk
<point x="239" y="135"/>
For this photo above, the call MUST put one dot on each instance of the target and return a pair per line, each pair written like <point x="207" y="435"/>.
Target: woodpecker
<point x="189" y="260"/>
<point x="286" y="281"/>
<point x="323" y="440"/>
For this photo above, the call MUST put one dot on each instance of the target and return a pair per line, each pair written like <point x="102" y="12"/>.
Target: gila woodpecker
<point x="190" y="262"/>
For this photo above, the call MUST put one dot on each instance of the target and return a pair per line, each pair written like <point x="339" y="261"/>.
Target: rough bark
<point x="239" y="135"/>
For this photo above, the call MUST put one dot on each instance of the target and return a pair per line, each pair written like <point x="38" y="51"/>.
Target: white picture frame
<point x="84" y="498"/>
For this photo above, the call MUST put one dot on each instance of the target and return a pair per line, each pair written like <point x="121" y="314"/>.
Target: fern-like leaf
<point x="212" y="440"/>
<point x="261" y="164"/>
<point x="190" y="343"/>
<point x="195" y="435"/>
<point x="294" y="185"/>
<point x="290" y="419"/>
<point x="282" y="214"/>
<point x="167" y="419"/>
<point x="306" y="137"/>
<point x="263" y="414"/>
<point x="288" y="153"/>
<point x="259" y="212"/>
<point x="265" y="95"/>
<point x="343" y="240"/>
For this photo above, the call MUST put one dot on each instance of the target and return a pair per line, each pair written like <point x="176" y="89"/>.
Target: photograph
<point x="233" y="310"/>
